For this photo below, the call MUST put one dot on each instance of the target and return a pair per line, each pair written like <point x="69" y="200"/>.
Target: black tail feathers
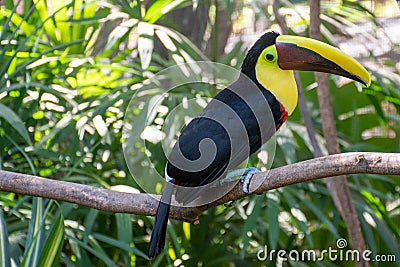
<point x="157" y="240"/>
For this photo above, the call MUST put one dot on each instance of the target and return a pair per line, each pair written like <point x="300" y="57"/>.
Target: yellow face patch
<point x="280" y="83"/>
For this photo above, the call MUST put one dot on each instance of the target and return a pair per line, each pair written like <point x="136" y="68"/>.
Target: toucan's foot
<point x="246" y="177"/>
<point x="231" y="176"/>
<point x="230" y="204"/>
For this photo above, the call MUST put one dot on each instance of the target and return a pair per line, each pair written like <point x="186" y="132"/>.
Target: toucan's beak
<point x="300" y="53"/>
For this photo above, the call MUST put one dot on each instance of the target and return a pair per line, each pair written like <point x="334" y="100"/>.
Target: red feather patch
<point x="282" y="118"/>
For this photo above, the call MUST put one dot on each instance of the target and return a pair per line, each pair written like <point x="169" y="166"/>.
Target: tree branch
<point x="146" y="204"/>
<point x="338" y="187"/>
<point x="302" y="99"/>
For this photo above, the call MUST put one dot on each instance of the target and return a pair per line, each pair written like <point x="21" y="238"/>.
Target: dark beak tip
<point x="358" y="79"/>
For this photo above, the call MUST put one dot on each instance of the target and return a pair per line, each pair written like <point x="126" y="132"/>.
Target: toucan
<point x="235" y="123"/>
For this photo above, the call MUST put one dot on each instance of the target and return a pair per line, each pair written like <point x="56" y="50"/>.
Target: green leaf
<point x="321" y="216"/>
<point x="287" y="195"/>
<point x="38" y="57"/>
<point x="12" y="118"/>
<point x="89" y="222"/>
<point x="273" y="210"/>
<point x="60" y="126"/>
<point x="251" y="221"/>
<point x="98" y="253"/>
<point x="124" y="223"/>
<point x="388" y="237"/>
<point x="161" y="7"/>
<point x="186" y="230"/>
<point x="25" y="27"/>
<point x="9" y="4"/>
<point x="173" y="237"/>
<point x="42" y="9"/>
<point x="54" y="243"/>
<point x="122" y="245"/>
<point x="125" y="234"/>
<point x="368" y="234"/>
<point x="34" y="241"/>
<point x="145" y="43"/>
<point x="21" y="150"/>
<point x="4" y="246"/>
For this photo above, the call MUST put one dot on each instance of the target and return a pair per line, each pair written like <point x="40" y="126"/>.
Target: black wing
<point x="235" y="124"/>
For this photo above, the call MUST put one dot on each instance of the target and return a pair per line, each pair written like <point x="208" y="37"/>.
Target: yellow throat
<point x="280" y="83"/>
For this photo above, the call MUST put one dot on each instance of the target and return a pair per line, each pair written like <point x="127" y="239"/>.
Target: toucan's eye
<point x="269" y="57"/>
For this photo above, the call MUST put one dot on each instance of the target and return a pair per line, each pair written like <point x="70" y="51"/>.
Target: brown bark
<point x="302" y="100"/>
<point x="337" y="186"/>
<point x="146" y="204"/>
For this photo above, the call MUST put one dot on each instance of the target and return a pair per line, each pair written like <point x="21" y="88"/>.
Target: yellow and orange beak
<point x="300" y="53"/>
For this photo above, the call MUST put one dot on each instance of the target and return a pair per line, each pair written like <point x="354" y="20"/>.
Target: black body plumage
<point x="246" y="98"/>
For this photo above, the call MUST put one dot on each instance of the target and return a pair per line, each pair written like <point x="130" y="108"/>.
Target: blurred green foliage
<point x="68" y="72"/>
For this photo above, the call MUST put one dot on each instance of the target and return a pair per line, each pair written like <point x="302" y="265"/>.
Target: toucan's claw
<point x="230" y="204"/>
<point x="246" y="177"/>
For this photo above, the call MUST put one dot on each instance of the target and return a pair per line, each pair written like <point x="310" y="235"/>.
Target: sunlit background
<point x="68" y="71"/>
